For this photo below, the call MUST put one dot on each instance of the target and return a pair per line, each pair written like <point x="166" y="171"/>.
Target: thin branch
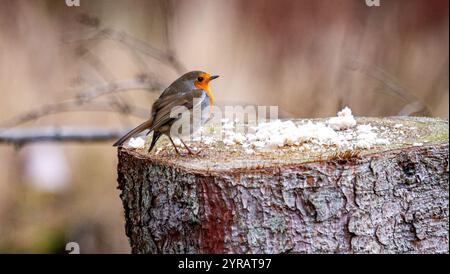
<point x="100" y="68"/>
<point x="71" y="106"/>
<point x="142" y="82"/>
<point x="414" y="105"/>
<point x="133" y="44"/>
<point x="21" y="137"/>
<point x="86" y="96"/>
<point x="105" y="74"/>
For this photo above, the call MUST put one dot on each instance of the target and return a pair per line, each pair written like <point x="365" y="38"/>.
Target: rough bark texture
<point x="387" y="201"/>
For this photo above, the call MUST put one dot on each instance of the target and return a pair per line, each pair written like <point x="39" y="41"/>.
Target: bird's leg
<point x="174" y="146"/>
<point x="188" y="149"/>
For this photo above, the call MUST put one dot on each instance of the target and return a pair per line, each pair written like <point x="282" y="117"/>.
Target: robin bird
<point x="182" y="92"/>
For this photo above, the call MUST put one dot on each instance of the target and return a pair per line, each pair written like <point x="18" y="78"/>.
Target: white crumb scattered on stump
<point x="343" y="120"/>
<point x="341" y="131"/>
<point x="137" y="142"/>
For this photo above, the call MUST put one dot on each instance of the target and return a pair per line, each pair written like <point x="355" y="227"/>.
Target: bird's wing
<point x="164" y="105"/>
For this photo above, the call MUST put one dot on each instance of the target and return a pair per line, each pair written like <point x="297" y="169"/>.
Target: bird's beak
<point x="213" y="77"/>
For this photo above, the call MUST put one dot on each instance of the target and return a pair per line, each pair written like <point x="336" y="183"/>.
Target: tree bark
<point x="387" y="200"/>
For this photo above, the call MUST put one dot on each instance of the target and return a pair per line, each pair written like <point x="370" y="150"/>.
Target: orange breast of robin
<point x="204" y="85"/>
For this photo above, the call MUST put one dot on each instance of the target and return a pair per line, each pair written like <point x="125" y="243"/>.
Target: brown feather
<point x="145" y="125"/>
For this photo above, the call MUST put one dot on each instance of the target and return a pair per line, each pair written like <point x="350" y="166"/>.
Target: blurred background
<point x="100" y="66"/>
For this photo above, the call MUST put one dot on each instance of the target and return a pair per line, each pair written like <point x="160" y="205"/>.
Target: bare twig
<point x="71" y="106"/>
<point x="132" y="43"/>
<point x="100" y="68"/>
<point x="413" y="104"/>
<point x="142" y="82"/>
<point x="21" y="137"/>
<point x="105" y="74"/>
<point x="86" y="96"/>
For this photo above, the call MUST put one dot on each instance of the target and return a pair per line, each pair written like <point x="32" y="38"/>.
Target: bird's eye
<point x="200" y="79"/>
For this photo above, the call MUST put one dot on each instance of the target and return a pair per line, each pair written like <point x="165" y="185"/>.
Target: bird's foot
<point x="197" y="153"/>
<point x="190" y="152"/>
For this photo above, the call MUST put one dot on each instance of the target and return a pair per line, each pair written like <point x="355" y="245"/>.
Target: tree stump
<point x="387" y="199"/>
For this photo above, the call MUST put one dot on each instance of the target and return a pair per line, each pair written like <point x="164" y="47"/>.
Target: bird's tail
<point x="145" y="125"/>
